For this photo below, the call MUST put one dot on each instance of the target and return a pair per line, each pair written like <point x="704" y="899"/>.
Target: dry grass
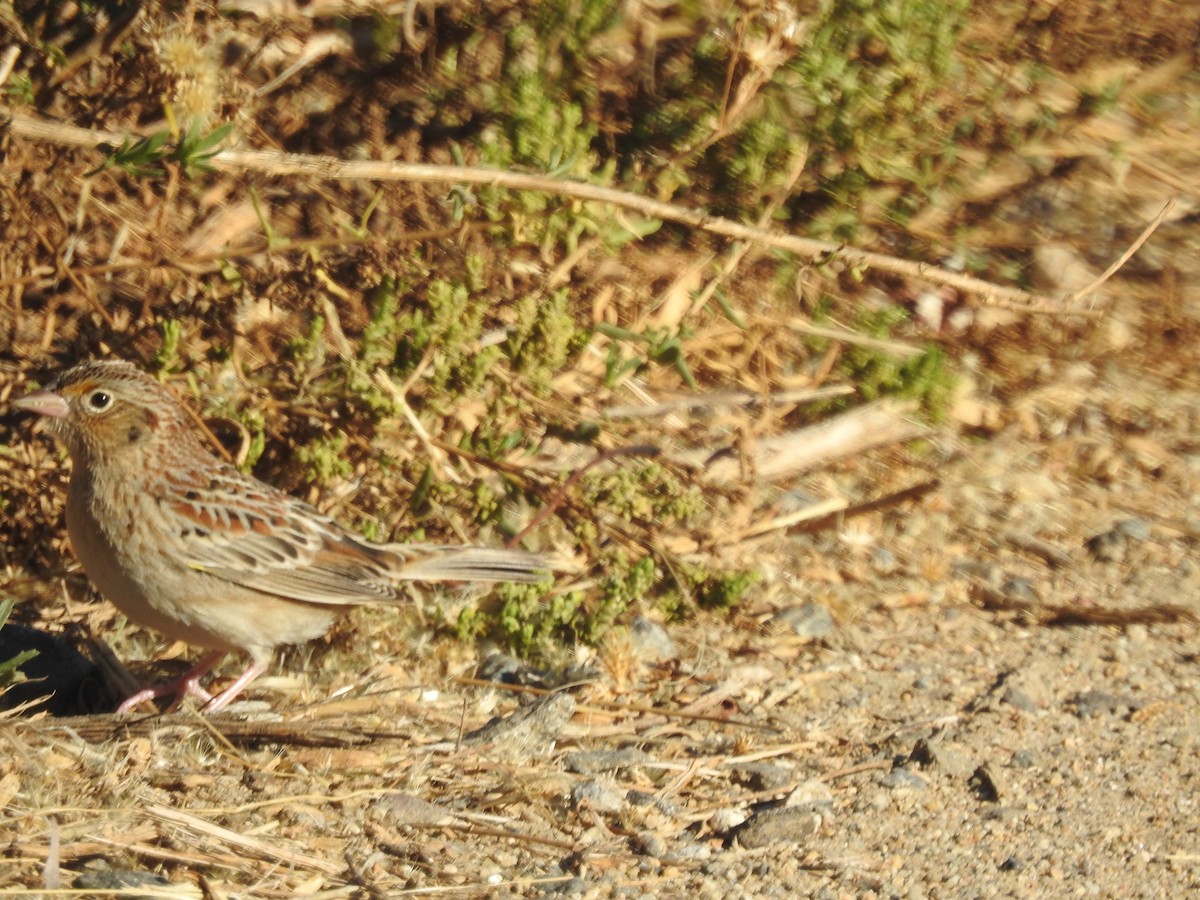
<point x="255" y="294"/>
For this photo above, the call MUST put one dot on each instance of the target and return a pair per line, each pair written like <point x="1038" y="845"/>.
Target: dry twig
<point x="331" y="168"/>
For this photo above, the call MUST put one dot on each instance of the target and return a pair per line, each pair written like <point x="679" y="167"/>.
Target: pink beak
<point x="44" y="403"/>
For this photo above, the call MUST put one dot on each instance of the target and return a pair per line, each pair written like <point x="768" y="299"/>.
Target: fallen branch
<point x="788" y="454"/>
<point x="276" y="163"/>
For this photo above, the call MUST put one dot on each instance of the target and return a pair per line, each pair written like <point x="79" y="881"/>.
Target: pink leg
<point x="179" y="689"/>
<point x="226" y="696"/>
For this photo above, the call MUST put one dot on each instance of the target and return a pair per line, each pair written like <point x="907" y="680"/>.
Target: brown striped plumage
<point x="192" y="547"/>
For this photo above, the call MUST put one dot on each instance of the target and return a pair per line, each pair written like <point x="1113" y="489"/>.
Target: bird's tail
<point x="432" y="562"/>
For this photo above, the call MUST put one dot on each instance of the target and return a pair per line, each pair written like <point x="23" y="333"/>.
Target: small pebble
<point x="991" y="783"/>
<point x="1014" y="696"/>
<point x="724" y="821"/>
<point x="1089" y="704"/>
<point x="936" y="755"/>
<point x="1108" y="546"/>
<point x="810" y="620"/>
<point x="651" y="641"/>
<point x="883" y="561"/>
<point x="1022" y="759"/>
<point x="528" y="732"/>
<point x="1134" y="529"/>
<point x="593" y="762"/>
<point x="812" y="794"/>
<point x="122" y="881"/>
<point x="506" y="669"/>
<point x="762" y="776"/>
<point x="903" y="779"/>
<point x="791" y="826"/>
<point x="1018" y="587"/>
<point x="598" y="795"/>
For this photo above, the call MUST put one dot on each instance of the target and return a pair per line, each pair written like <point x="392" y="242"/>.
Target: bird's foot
<point x="189" y="683"/>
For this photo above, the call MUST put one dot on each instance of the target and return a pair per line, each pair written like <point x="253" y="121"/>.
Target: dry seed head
<point x="195" y="75"/>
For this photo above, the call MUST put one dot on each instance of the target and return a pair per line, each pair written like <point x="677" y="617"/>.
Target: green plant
<point x="875" y="373"/>
<point x="19" y="90"/>
<point x="543" y="338"/>
<point x="449" y="325"/>
<point x="721" y="590"/>
<point x="324" y="459"/>
<point x="663" y="347"/>
<point x="10" y="669"/>
<point x="146" y="157"/>
<point x="643" y="491"/>
<point x="530" y="622"/>
<point x="166" y="357"/>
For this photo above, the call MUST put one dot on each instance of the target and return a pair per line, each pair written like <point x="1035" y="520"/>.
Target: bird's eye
<point x="99" y="401"/>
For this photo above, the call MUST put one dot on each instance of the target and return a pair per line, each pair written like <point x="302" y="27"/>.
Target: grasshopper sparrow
<point x="191" y="547"/>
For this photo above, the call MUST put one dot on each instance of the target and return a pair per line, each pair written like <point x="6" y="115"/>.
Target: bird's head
<point x="103" y="410"/>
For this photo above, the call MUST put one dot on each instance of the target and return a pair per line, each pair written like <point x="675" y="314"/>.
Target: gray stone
<point x="1108" y="546"/>
<point x="933" y="754"/>
<point x="773" y="826"/>
<point x="599" y="795"/>
<point x="903" y="779"/>
<point x="1018" y="587"/>
<point x="810" y="620"/>
<point x="125" y="881"/>
<point x="1097" y="703"/>
<point x="528" y="732"/>
<point x="1134" y="529"/>
<point x="762" y="776"/>
<point x="883" y="561"/>
<point x="593" y="762"/>
<point x="651" y="642"/>
<point x="992" y="783"/>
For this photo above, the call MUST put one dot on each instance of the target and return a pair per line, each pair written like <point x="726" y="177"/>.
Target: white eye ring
<point x="98" y="401"/>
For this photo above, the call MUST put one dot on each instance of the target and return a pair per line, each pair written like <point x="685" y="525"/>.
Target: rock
<point x="813" y="794"/>
<point x="1134" y="529"/>
<point x="505" y="669"/>
<point x="1018" y="587"/>
<point x="651" y="642"/>
<point x="407" y="809"/>
<point x="651" y="844"/>
<point x="1022" y="759"/>
<point x="933" y="754"/>
<point x="762" y="776"/>
<point x="528" y="732"/>
<point x="810" y="620"/>
<point x="688" y="851"/>
<point x="644" y="798"/>
<point x="780" y="825"/>
<point x="725" y="820"/>
<point x="599" y="795"/>
<point x="991" y="783"/>
<point x="125" y="882"/>
<point x="593" y="762"/>
<point x="1014" y="696"/>
<point x="883" y="561"/>
<point x="575" y="887"/>
<point x="1089" y="704"/>
<point x="1027" y="689"/>
<point x="903" y="779"/>
<point x="1108" y="546"/>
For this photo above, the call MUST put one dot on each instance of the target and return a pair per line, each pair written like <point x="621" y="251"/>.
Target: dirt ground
<point x="987" y="684"/>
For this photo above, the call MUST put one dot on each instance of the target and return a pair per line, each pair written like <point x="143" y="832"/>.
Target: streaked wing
<point x="245" y="532"/>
